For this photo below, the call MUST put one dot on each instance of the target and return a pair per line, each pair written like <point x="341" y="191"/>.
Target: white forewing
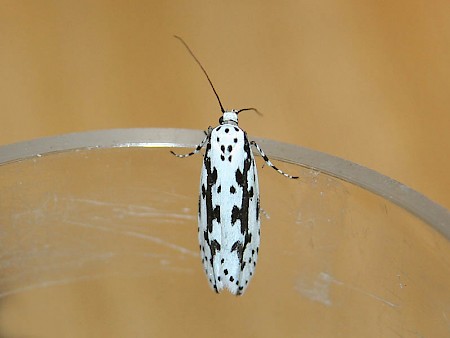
<point x="229" y="210"/>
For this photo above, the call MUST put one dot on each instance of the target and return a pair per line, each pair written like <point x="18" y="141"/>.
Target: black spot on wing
<point x="239" y="248"/>
<point x="216" y="213"/>
<point x="203" y="191"/>
<point x="257" y="209"/>
<point x="248" y="237"/>
<point x="215" y="247"/>
<point x="240" y="178"/>
<point x="236" y="214"/>
<point x="212" y="177"/>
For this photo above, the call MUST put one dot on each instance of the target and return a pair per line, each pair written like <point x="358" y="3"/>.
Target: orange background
<point x="368" y="82"/>
<point x="365" y="81"/>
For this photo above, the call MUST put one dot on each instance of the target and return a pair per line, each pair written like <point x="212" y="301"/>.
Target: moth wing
<point x="229" y="211"/>
<point x="209" y="234"/>
<point x="251" y="243"/>
<point x="239" y="201"/>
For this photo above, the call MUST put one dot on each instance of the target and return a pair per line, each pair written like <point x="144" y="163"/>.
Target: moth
<point x="229" y="201"/>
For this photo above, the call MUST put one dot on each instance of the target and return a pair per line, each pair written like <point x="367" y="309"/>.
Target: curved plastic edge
<point x="392" y="190"/>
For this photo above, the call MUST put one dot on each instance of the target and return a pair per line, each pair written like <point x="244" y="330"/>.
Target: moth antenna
<point x="203" y="69"/>
<point x="254" y="109"/>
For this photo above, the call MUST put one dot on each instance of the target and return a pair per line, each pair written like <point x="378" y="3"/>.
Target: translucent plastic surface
<point x="98" y="237"/>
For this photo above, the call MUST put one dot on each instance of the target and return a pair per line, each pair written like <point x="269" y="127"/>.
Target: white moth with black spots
<point x="229" y="204"/>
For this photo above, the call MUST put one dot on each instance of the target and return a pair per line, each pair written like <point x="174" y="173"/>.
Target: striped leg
<point x="270" y="164"/>
<point x="197" y="149"/>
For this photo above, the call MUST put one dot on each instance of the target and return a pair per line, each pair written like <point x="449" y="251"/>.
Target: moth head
<point x="229" y="117"/>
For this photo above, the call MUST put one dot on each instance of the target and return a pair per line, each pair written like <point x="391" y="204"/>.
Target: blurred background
<point x="364" y="81"/>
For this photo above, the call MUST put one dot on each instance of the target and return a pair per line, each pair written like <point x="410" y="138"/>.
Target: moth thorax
<point x="230" y="117"/>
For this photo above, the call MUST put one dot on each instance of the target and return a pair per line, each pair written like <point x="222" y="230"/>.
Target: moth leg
<point x="270" y="164"/>
<point x="197" y="149"/>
